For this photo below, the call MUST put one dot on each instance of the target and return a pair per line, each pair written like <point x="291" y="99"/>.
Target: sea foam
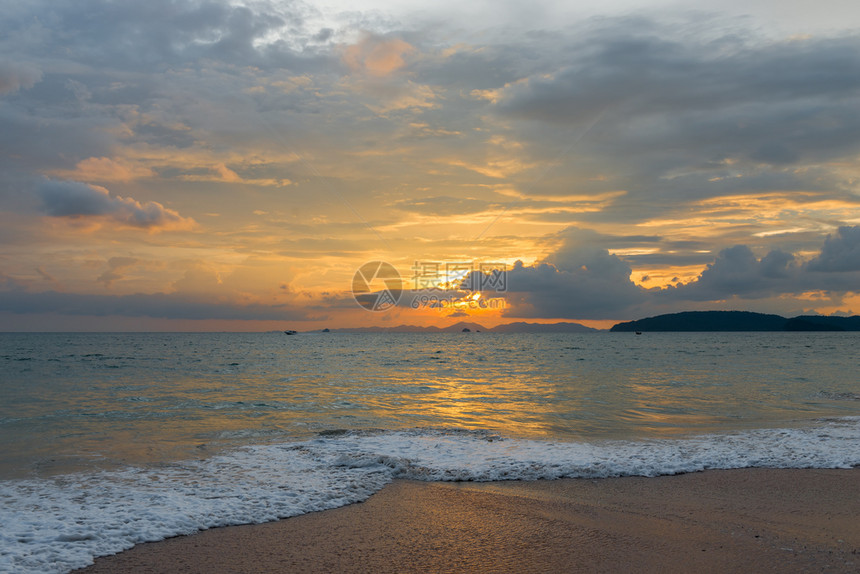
<point x="61" y="523"/>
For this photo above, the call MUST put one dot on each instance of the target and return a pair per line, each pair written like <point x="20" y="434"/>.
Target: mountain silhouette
<point x="738" y="321"/>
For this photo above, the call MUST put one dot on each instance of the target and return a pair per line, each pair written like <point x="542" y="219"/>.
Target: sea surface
<point x="108" y="440"/>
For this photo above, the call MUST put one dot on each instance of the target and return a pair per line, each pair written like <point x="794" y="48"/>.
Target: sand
<point x="751" y="520"/>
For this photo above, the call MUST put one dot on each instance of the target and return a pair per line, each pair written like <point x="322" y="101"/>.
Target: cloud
<point x="736" y="272"/>
<point x="674" y="115"/>
<point x="159" y="32"/>
<point x="840" y="252"/>
<point x="712" y="138"/>
<point x="156" y="305"/>
<point x="14" y="77"/>
<point x="105" y="169"/>
<point x="167" y="136"/>
<point x="249" y="291"/>
<point x="198" y="279"/>
<point x="115" y="267"/>
<point x="580" y="281"/>
<point x="583" y="282"/>
<point x="220" y="173"/>
<point x="457" y="314"/>
<point x="377" y="56"/>
<point x="405" y="96"/>
<point x="444" y="205"/>
<point x="639" y="68"/>
<point x="74" y="199"/>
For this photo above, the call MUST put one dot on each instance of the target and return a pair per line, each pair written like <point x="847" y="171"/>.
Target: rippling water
<point x="107" y="440"/>
<point x="80" y="399"/>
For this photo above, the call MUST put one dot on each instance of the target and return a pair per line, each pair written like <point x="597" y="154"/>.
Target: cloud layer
<point x="74" y="199"/>
<point x="14" y="77"/>
<point x="593" y="284"/>
<point x="633" y="162"/>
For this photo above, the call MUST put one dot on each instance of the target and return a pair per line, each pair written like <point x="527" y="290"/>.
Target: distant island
<point x="689" y="321"/>
<point x="464" y="327"/>
<point x="738" y="321"/>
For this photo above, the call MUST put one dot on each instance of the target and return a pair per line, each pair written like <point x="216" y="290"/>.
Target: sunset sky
<point x="184" y="165"/>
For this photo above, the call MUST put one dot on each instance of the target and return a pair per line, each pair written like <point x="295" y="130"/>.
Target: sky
<point x="208" y="165"/>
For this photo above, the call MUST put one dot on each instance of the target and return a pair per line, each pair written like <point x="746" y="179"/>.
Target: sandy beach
<point x="751" y="520"/>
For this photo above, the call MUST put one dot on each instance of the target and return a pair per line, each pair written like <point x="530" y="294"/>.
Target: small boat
<point x="638" y="332"/>
<point x="290" y="332"/>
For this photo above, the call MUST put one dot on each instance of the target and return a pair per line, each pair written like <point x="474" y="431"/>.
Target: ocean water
<point x="108" y="440"/>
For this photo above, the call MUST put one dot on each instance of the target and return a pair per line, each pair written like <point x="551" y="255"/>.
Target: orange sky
<point x="233" y="169"/>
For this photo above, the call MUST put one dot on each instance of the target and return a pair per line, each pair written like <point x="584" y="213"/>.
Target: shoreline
<point x="787" y="520"/>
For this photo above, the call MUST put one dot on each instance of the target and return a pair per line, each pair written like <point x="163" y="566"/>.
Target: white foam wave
<point x="55" y="525"/>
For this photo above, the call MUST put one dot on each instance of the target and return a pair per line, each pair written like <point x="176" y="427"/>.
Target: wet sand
<point x="751" y="520"/>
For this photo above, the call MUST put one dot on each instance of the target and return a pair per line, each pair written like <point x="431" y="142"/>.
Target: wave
<point x="61" y="523"/>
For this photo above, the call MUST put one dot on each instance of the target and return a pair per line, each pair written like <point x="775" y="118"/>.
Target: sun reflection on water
<point x="114" y="399"/>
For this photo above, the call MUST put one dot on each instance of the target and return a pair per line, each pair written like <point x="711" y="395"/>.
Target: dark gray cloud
<point x="737" y="272"/>
<point x="841" y="252"/>
<point x="153" y="34"/>
<point x="490" y="66"/>
<point x="78" y="200"/>
<point x="585" y="282"/>
<point x="578" y="281"/>
<point x="156" y="305"/>
<point x="640" y="70"/>
<point x="681" y="118"/>
<point x="648" y="250"/>
<point x="165" y="73"/>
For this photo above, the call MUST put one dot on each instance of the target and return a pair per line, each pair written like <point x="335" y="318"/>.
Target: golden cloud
<point x="105" y="169"/>
<point x="376" y="56"/>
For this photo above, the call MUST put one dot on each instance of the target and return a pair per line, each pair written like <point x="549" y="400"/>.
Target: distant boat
<point x="290" y="332"/>
<point x="638" y="332"/>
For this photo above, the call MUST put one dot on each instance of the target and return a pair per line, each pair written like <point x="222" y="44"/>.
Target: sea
<point x="108" y="440"/>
